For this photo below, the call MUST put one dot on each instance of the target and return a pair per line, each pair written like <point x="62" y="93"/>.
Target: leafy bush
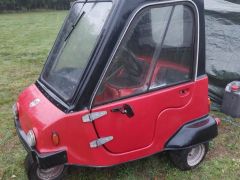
<point x="6" y="5"/>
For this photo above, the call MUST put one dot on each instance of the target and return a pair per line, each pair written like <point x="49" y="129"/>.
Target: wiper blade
<point x="75" y="24"/>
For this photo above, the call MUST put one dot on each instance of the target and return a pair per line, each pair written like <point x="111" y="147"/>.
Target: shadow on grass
<point x="147" y="168"/>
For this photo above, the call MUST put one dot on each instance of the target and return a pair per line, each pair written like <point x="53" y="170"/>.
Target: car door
<point x="151" y="71"/>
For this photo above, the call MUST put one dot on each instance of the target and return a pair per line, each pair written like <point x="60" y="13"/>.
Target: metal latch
<point x="93" y="116"/>
<point x="100" y="142"/>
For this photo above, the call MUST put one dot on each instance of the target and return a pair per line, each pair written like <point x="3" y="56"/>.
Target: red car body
<point x="75" y="135"/>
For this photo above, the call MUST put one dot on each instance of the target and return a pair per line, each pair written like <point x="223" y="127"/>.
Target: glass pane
<point x="65" y="70"/>
<point x="175" y="62"/>
<point x="129" y="69"/>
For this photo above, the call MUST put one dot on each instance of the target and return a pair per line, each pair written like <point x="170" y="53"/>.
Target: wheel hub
<point x="196" y="155"/>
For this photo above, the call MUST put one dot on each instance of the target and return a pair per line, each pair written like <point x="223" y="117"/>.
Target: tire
<point x="35" y="173"/>
<point x="189" y="158"/>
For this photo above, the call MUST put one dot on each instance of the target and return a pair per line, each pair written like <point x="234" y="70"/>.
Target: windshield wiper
<point x="75" y="24"/>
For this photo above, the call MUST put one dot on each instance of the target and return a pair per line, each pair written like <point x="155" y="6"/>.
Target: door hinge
<point x="100" y="141"/>
<point x="93" y="116"/>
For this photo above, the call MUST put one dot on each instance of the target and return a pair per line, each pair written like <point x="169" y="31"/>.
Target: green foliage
<point x="6" y="5"/>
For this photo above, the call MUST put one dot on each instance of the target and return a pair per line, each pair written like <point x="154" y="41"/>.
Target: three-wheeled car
<point x="124" y="80"/>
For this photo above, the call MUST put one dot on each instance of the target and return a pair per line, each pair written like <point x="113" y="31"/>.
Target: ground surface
<point x="25" y="40"/>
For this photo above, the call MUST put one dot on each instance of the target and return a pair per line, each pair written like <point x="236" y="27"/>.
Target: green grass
<point x="25" y="40"/>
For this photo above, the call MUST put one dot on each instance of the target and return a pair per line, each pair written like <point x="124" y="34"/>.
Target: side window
<point x="129" y="70"/>
<point x="175" y="61"/>
<point x="156" y="51"/>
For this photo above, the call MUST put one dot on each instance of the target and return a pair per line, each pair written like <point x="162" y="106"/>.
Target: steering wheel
<point x="131" y="62"/>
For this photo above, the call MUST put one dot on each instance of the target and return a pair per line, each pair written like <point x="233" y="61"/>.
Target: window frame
<point x="130" y="21"/>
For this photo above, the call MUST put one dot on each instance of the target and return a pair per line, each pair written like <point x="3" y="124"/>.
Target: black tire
<point x="184" y="159"/>
<point x="35" y="173"/>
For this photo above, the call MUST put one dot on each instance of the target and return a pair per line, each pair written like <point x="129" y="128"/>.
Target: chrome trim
<point x="101" y="141"/>
<point x="34" y="103"/>
<point x="93" y="116"/>
<point x="126" y="29"/>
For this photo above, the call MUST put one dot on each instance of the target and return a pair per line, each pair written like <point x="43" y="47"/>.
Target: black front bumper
<point x="44" y="160"/>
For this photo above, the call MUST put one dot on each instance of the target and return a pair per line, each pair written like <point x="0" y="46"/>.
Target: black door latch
<point x="125" y="109"/>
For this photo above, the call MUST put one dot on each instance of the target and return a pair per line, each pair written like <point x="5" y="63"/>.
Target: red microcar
<point x="124" y="80"/>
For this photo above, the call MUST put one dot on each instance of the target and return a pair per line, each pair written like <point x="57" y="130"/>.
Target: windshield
<point x="74" y="46"/>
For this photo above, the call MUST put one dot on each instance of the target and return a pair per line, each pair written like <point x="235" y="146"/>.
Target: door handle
<point x="184" y="92"/>
<point x="125" y="109"/>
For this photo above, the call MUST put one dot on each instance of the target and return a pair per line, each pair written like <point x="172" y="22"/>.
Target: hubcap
<point x="51" y="173"/>
<point x="196" y="155"/>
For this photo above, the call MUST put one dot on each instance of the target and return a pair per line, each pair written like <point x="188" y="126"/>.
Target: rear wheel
<point x="35" y="173"/>
<point x="189" y="158"/>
